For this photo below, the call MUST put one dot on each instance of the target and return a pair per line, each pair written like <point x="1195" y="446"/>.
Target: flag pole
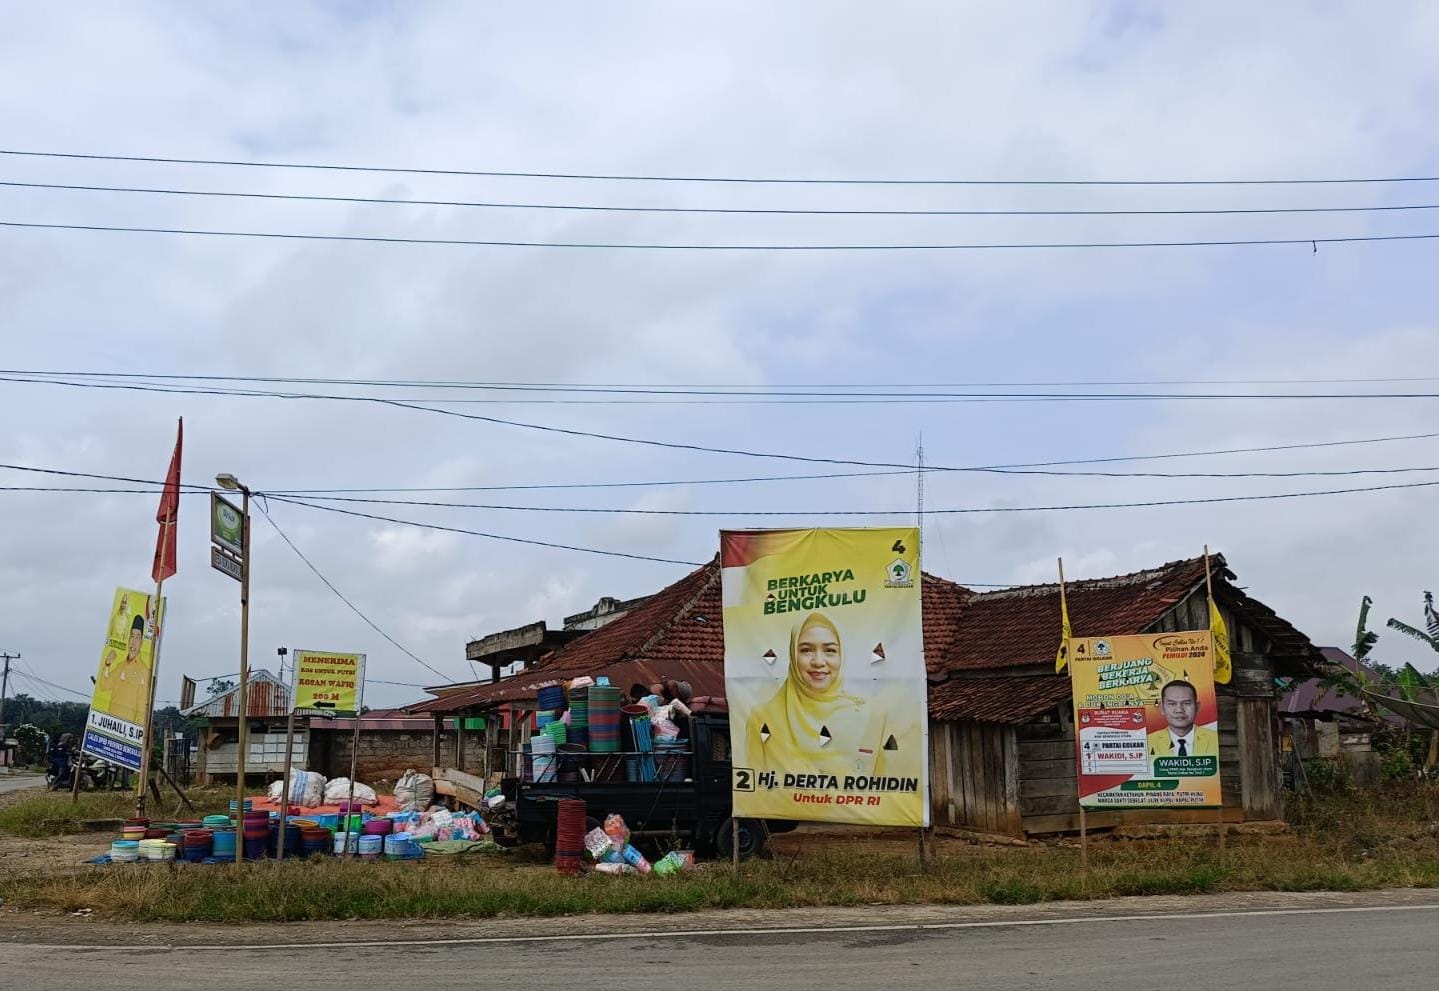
<point x="169" y="520"/>
<point x="159" y="612"/>
<point x="1209" y="600"/>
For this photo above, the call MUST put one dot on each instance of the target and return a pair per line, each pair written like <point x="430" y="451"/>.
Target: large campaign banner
<point x="115" y="730"/>
<point x="1146" y="721"/>
<point x="824" y="672"/>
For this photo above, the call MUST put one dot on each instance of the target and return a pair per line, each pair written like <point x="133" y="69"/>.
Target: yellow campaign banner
<point x="824" y="673"/>
<point x="115" y="729"/>
<point x="1146" y="721"/>
<point x="326" y="681"/>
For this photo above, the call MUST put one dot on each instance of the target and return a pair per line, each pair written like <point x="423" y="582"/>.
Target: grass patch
<point x="328" y="889"/>
<point x="1351" y="842"/>
<point x="54" y="813"/>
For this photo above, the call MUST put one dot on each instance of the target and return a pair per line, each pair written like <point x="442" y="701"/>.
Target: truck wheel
<point x="753" y="838"/>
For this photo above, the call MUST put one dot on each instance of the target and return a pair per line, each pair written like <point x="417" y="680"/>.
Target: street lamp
<point x="233" y="484"/>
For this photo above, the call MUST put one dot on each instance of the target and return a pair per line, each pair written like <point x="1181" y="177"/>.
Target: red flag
<point x="168" y="515"/>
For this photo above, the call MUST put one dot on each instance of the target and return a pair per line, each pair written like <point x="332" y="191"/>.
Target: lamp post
<point x="233" y="484"/>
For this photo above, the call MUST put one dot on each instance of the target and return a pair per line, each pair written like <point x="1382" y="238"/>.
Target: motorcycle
<point x="95" y="774"/>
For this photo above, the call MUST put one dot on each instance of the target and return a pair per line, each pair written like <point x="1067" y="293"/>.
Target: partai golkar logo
<point x="900" y="574"/>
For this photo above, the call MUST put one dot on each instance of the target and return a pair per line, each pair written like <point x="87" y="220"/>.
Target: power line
<point x="49" y="684"/>
<point x="742" y="211"/>
<point x="648" y="442"/>
<point x="1313" y="241"/>
<point x="341" y="595"/>
<point x="1016" y="469"/>
<point x="492" y="536"/>
<point x="506" y="173"/>
<point x="603" y="386"/>
<point x="805" y="390"/>
<point x="416" y="404"/>
<point x="628" y="511"/>
<point x="856" y="512"/>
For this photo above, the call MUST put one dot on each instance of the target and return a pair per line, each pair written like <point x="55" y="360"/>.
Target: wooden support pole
<point x="285" y="786"/>
<point x="439" y="725"/>
<point x="1083" y="845"/>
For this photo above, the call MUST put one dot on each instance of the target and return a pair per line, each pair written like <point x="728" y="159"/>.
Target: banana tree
<point x="1411" y="684"/>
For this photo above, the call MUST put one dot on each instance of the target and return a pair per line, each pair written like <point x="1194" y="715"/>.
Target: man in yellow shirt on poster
<point x="124" y="683"/>
<point x="1181" y="737"/>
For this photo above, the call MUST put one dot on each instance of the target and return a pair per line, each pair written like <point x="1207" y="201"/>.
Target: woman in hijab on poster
<point x="811" y="725"/>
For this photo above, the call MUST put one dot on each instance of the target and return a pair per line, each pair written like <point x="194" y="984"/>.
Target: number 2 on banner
<point x="743" y="779"/>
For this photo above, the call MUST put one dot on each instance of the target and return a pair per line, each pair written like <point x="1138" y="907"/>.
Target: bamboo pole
<point x="159" y="614"/>
<point x="289" y="765"/>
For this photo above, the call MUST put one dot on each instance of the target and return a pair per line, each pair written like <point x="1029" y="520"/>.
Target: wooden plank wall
<point x="1049" y="789"/>
<point x="974" y="776"/>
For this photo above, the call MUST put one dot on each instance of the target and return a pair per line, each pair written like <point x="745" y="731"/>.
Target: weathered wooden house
<point x="1002" y="751"/>
<point x="1002" y="745"/>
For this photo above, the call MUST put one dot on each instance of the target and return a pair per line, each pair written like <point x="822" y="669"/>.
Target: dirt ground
<point x="21" y="853"/>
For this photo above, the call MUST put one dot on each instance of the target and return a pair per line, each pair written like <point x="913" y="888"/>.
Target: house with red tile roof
<point x="1002" y="749"/>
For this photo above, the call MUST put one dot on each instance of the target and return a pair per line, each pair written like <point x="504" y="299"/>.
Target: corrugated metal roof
<point x="266" y="697"/>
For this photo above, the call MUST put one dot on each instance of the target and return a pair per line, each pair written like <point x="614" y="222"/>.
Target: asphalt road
<point x="18" y="782"/>
<point x="1376" y="947"/>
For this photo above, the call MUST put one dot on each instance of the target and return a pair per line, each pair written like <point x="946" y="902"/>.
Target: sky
<point x="1063" y="90"/>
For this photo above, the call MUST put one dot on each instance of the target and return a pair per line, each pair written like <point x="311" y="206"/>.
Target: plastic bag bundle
<point x="617" y="830"/>
<point x="636" y="859"/>
<point x="674" y="862"/>
<point x="338" y="790"/>
<point x="609" y="868"/>
<point x="598" y="844"/>
<point x="414" y="790"/>
<point x="307" y="789"/>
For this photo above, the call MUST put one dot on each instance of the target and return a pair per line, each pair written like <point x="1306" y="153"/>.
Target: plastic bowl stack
<point x="402" y="846"/>
<point x="198" y="844"/>
<point x="543" y="748"/>
<point x="313" y="840"/>
<point x="157" y="850"/>
<point x="580" y="716"/>
<point x="603" y="719"/>
<point x="551" y="697"/>
<point x="222" y="844"/>
<point x="370" y="845"/>
<point x="125" y="851"/>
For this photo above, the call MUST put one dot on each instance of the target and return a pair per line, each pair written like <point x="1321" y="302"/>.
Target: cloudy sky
<point x="801" y="90"/>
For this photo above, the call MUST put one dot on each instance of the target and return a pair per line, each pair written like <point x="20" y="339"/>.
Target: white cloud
<point x="833" y="89"/>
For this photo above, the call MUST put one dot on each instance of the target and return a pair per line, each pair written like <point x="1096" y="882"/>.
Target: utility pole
<point x="5" y="687"/>
<point x="919" y="482"/>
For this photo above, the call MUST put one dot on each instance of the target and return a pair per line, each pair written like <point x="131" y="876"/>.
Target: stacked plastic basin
<point x="402" y="846"/>
<point x="580" y="716"/>
<point x="370" y="845"/>
<point x="604" y="719"/>
<point x="313" y="840"/>
<point x="543" y="748"/>
<point x="288" y="834"/>
<point x="197" y="844"/>
<point x="551" y="698"/>
<point x="255" y="832"/>
<point x="222" y="844"/>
